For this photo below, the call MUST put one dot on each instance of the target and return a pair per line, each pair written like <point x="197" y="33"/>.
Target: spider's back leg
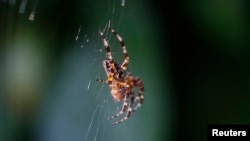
<point x="124" y="107"/>
<point x="124" y="50"/>
<point x="130" y="109"/>
<point x="138" y="83"/>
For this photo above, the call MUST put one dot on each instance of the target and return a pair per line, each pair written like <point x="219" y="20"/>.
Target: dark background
<point x="203" y="55"/>
<point x="210" y="59"/>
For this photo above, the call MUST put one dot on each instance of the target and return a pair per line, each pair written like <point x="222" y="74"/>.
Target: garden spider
<point x="121" y="81"/>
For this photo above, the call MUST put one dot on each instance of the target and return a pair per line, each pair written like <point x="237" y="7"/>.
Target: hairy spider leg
<point x="124" y="107"/>
<point x="101" y="81"/>
<point x="138" y="83"/>
<point x="125" y="63"/>
<point x="107" y="47"/>
<point x="130" y="109"/>
<point x="110" y="58"/>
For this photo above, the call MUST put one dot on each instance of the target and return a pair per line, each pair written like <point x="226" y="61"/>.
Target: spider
<point x="121" y="81"/>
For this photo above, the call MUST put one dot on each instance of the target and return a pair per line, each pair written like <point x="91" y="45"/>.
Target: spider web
<point x="81" y="106"/>
<point x="82" y="100"/>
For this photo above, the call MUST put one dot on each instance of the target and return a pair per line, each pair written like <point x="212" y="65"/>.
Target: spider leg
<point x="106" y="45"/>
<point x="109" y="57"/>
<point x="126" y="61"/>
<point x="101" y="81"/>
<point x="138" y="83"/>
<point x="130" y="109"/>
<point x="124" y="107"/>
<point x="110" y="78"/>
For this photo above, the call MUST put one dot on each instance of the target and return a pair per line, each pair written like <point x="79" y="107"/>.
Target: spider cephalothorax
<point x="121" y="81"/>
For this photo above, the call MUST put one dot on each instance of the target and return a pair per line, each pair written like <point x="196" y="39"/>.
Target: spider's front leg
<point x="102" y="80"/>
<point x="108" y="81"/>
<point x="125" y="63"/>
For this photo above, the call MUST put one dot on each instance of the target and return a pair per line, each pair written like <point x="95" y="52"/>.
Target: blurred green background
<point x="193" y="57"/>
